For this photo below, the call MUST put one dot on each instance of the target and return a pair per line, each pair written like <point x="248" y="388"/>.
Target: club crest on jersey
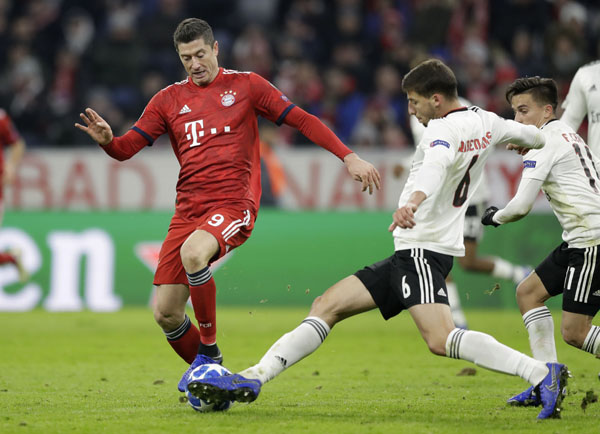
<point x="228" y="98"/>
<point x="439" y="143"/>
<point x="529" y="164"/>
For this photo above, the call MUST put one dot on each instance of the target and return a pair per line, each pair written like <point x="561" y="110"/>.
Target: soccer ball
<point x="206" y="371"/>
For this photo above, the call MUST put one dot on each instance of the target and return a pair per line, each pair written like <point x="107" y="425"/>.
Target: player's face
<point x="422" y="107"/>
<point x="527" y="111"/>
<point x="199" y="60"/>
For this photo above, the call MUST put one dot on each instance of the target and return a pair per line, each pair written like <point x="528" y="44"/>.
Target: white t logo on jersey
<point x="194" y="131"/>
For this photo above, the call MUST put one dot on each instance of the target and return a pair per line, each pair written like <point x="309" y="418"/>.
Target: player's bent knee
<point x="322" y="309"/>
<point x="193" y="258"/>
<point x="436" y="345"/>
<point x="572" y="336"/>
<point x="167" y="320"/>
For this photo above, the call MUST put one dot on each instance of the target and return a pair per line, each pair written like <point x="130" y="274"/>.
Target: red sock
<point x="6" y="258"/>
<point x="185" y="340"/>
<point x="203" y="292"/>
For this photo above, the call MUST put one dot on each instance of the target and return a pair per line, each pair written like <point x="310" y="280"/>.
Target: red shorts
<point x="230" y="226"/>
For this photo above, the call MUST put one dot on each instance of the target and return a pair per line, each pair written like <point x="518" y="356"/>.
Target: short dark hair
<point x="429" y="77"/>
<point x="542" y="90"/>
<point x="191" y="29"/>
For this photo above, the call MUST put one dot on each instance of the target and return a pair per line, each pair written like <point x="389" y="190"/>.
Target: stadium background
<point x="89" y="227"/>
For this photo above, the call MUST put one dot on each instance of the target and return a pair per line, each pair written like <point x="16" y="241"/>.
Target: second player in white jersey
<point x="567" y="172"/>
<point x="584" y="99"/>
<point x="448" y="167"/>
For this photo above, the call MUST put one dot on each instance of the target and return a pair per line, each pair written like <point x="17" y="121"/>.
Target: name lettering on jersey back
<point x="195" y="131"/>
<point x="572" y="138"/>
<point x="475" y="144"/>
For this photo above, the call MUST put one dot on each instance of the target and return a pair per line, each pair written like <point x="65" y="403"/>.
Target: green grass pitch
<point x="114" y="373"/>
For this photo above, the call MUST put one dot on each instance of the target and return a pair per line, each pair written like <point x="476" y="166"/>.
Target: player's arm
<point x="518" y="207"/>
<point x="519" y="135"/>
<point x="120" y="148"/>
<point x="574" y="104"/>
<point x="439" y="155"/>
<point x="317" y="132"/>
<point x="17" y="150"/>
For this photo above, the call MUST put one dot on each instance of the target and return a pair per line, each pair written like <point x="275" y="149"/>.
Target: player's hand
<point x="488" y="217"/>
<point x="363" y="171"/>
<point x="404" y="217"/>
<point x="521" y="150"/>
<point x="96" y="127"/>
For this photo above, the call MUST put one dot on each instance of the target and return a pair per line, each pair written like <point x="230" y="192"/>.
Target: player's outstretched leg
<point x="200" y="359"/>
<point x="225" y="388"/>
<point x="552" y="390"/>
<point x="531" y="397"/>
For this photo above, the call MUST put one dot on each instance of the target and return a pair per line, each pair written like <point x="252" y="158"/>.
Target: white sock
<point x="458" y="315"/>
<point x="540" y="326"/>
<point x="503" y="269"/>
<point x="487" y="352"/>
<point x="592" y="341"/>
<point x="289" y="349"/>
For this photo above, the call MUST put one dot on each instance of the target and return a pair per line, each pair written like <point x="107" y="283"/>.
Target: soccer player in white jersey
<point x="473" y="233"/>
<point x="567" y="172"/>
<point x="584" y="99"/>
<point x="428" y="233"/>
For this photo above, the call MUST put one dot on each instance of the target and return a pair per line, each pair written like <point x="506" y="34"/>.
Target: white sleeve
<point x="520" y="205"/>
<point x="574" y="104"/>
<point x="508" y="131"/>
<point x="439" y="152"/>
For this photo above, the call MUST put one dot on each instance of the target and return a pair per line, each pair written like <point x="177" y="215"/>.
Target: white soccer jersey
<point x="570" y="181"/>
<point x="482" y="193"/>
<point x="584" y="99"/>
<point x="459" y="143"/>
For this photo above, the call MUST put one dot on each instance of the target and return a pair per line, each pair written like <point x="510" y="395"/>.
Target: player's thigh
<point x="230" y="226"/>
<point x="198" y="249"/>
<point x="434" y="321"/>
<point x="531" y="293"/>
<point x="346" y="298"/>
<point x="170" y="300"/>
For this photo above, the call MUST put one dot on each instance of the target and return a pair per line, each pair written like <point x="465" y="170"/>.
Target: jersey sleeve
<point x="574" y="104"/>
<point x="268" y="101"/>
<point x="439" y="144"/>
<point x="508" y="131"/>
<point x="151" y="123"/>
<point x="8" y="132"/>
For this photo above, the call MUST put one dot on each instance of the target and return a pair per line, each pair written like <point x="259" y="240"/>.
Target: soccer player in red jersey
<point x="10" y="137"/>
<point x="211" y="119"/>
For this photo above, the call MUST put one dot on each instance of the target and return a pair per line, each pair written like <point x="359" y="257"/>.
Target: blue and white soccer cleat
<point x="200" y="359"/>
<point x="553" y="390"/>
<point x="226" y="388"/>
<point x="531" y="397"/>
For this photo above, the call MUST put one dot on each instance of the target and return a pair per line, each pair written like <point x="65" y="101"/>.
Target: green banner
<point x="104" y="260"/>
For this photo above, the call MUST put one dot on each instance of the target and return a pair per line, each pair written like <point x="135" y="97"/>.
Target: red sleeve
<point x="126" y="146"/>
<point x="268" y="101"/>
<point x="316" y="131"/>
<point x="8" y="132"/>
<point x="151" y="123"/>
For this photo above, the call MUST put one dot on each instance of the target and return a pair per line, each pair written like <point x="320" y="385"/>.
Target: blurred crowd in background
<point x="341" y="60"/>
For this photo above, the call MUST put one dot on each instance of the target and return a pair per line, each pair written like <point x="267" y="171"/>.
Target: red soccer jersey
<point x="214" y="134"/>
<point x="8" y="136"/>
